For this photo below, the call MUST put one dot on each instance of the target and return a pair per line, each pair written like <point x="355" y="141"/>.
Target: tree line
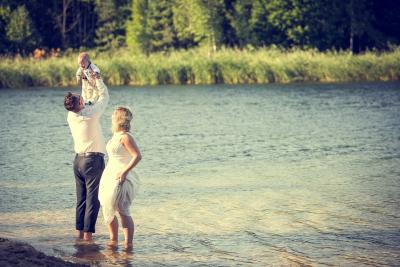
<point x="148" y="26"/>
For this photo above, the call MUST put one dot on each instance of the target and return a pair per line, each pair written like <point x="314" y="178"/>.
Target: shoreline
<point x="195" y="67"/>
<point x="17" y="253"/>
<point x="75" y="87"/>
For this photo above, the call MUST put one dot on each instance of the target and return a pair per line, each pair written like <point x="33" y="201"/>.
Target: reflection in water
<point x="120" y="257"/>
<point x="252" y="176"/>
<point x="88" y="250"/>
<point x="96" y="254"/>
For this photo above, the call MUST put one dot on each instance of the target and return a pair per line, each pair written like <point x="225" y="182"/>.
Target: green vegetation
<point x="138" y="42"/>
<point x="195" y="66"/>
<point x="150" y="26"/>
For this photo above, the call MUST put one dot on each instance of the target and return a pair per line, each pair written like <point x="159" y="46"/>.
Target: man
<point x="89" y="146"/>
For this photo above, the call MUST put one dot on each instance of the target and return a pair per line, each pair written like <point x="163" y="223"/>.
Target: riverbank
<point x="227" y="66"/>
<point x="13" y="253"/>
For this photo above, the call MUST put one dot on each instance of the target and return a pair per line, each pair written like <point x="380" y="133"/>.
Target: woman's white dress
<point x="114" y="196"/>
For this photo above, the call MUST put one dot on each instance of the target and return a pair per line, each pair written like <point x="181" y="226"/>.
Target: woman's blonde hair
<point x="121" y="119"/>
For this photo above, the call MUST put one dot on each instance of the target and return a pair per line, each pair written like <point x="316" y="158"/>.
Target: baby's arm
<point x="86" y="94"/>
<point x="78" y="76"/>
<point x="94" y="72"/>
<point x="86" y="90"/>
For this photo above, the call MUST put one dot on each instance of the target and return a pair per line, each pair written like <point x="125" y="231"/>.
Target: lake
<point x="299" y="174"/>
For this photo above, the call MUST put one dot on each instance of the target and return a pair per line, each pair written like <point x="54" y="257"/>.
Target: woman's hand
<point x="121" y="176"/>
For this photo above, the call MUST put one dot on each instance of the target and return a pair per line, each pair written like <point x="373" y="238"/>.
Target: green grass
<point x="229" y="66"/>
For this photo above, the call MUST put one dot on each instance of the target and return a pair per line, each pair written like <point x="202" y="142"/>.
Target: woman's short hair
<point x="122" y="117"/>
<point x="71" y="102"/>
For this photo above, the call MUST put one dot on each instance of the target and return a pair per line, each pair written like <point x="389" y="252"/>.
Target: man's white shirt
<point x="85" y="125"/>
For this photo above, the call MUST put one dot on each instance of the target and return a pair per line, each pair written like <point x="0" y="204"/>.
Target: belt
<point x="90" y="154"/>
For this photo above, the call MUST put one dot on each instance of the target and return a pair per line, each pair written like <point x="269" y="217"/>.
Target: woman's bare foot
<point x="128" y="247"/>
<point x="112" y="244"/>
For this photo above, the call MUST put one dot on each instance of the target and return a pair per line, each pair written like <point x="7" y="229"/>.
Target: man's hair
<point x="71" y="102"/>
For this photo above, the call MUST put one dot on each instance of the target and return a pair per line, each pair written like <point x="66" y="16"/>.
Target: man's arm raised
<point x="104" y="97"/>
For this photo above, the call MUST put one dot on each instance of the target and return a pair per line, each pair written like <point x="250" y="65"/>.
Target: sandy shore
<point x="13" y="253"/>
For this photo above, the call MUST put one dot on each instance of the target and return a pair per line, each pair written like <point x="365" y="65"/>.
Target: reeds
<point x="229" y="66"/>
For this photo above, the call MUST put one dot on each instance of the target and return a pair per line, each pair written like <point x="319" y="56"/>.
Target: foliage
<point x="163" y="34"/>
<point x="229" y="66"/>
<point x="20" y="30"/>
<point x="148" y="26"/>
<point x="138" y="29"/>
<point x="112" y="16"/>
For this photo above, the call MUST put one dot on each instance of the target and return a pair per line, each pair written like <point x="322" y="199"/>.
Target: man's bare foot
<point x="79" y="234"/>
<point x="87" y="236"/>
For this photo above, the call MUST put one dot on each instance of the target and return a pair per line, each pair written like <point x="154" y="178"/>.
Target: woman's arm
<point x="133" y="149"/>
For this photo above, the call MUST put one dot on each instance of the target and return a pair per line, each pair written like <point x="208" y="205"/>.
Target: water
<point x="232" y="175"/>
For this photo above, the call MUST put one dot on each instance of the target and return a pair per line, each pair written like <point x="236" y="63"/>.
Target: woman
<point x="119" y="183"/>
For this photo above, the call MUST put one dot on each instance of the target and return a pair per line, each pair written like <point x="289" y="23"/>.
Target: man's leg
<point x="94" y="167"/>
<point x="80" y="197"/>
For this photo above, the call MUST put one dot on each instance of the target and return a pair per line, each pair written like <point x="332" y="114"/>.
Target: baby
<point x="86" y="73"/>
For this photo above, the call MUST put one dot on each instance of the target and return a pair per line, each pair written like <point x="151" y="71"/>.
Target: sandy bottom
<point x="14" y="253"/>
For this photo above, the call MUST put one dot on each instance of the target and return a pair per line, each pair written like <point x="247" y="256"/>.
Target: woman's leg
<point x="113" y="230"/>
<point x="128" y="229"/>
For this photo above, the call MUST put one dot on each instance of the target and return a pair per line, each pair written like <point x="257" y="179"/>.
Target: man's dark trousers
<point x="88" y="168"/>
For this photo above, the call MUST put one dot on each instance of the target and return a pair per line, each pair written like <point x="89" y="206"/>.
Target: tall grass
<point x="229" y="66"/>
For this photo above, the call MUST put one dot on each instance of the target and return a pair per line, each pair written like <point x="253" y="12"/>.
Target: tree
<point x="262" y="31"/>
<point x="360" y="22"/>
<point x="290" y="18"/>
<point x="238" y="15"/>
<point x="85" y="32"/>
<point x="4" y="19"/>
<point x="320" y="24"/>
<point x="138" y="29"/>
<point x="163" y="33"/>
<point x="20" y="31"/>
<point x="328" y="25"/>
<point x="201" y="19"/>
<point x="66" y="21"/>
<point x="183" y="23"/>
<point x="386" y="23"/>
<point x="112" y="16"/>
